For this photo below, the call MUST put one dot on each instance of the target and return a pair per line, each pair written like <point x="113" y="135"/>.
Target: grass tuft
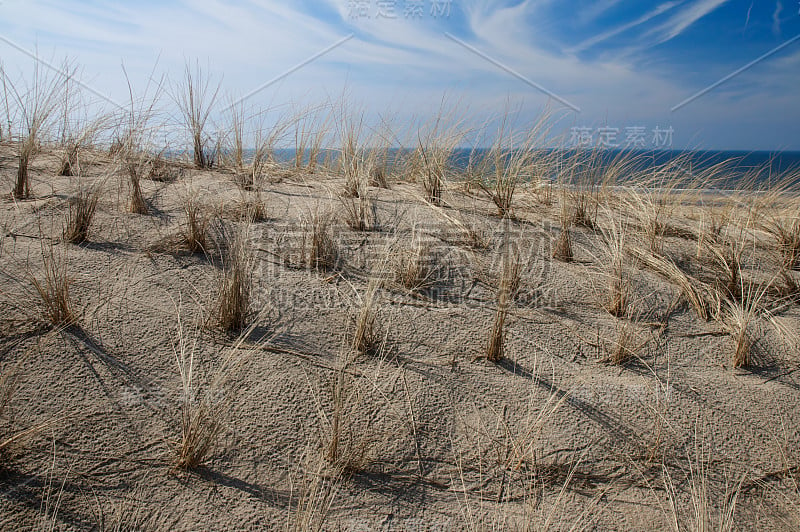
<point x="319" y="251"/>
<point x="81" y="212"/>
<point x="195" y="232"/>
<point x="507" y="288"/>
<point x="366" y="336"/>
<point x="53" y="289"/>
<point x="233" y="302"/>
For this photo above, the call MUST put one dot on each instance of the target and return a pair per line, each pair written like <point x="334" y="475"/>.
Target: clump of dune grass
<point x="351" y="158"/>
<point x="359" y="212"/>
<point x="195" y="98"/>
<point x="352" y="417"/>
<point x="377" y="177"/>
<point x="563" y="247"/>
<point x="506" y="291"/>
<point x="52" y="286"/>
<point x="163" y="171"/>
<point x="412" y="267"/>
<point x="431" y="161"/>
<point x="77" y="132"/>
<point x="740" y="318"/>
<point x="786" y="232"/>
<point x="311" y="127"/>
<point x="252" y="208"/>
<point x="615" y="267"/>
<point x="232" y="308"/>
<point x="233" y="154"/>
<point x="704" y="299"/>
<point x="345" y="450"/>
<point x="137" y="205"/>
<point x="133" y="142"/>
<point x="319" y="249"/>
<point x="316" y="492"/>
<point x="36" y="103"/>
<point x="708" y="509"/>
<point x="726" y="259"/>
<point x="203" y="408"/>
<point x="249" y="171"/>
<point x="434" y="164"/>
<point x="585" y="174"/>
<point x="366" y="334"/>
<point x="471" y="235"/>
<point x="513" y="158"/>
<point x="624" y="347"/>
<point x="82" y="208"/>
<point x="195" y="231"/>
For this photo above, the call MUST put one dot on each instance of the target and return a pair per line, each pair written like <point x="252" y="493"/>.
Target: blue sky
<point x="622" y="63"/>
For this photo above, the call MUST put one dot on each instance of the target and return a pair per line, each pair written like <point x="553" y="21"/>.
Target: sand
<point x="433" y="436"/>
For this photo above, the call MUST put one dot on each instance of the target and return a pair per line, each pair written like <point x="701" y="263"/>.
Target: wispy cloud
<point x="647" y="17"/>
<point x="409" y="63"/>
<point x="776" y="18"/>
<point x="684" y="19"/>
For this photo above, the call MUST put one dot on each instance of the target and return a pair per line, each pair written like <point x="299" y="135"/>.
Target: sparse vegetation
<point x="52" y="286"/>
<point x="36" y="105"/>
<point x="204" y="407"/>
<point x="233" y="302"/>
<point x="82" y="207"/>
<point x="681" y="292"/>
<point x="506" y="290"/>
<point x="319" y="249"/>
<point x="195" y="97"/>
<point x="196" y="228"/>
<point x="367" y="338"/>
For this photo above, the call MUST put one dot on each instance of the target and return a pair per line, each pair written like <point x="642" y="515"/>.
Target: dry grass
<point x="316" y="493"/>
<point x="413" y="267"/>
<point x="137" y="205"/>
<point x="351" y="158"/>
<point x="203" y="408"/>
<point x="359" y="212"/>
<point x="514" y="158"/>
<point x="708" y="509"/>
<point x="563" y="248"/>
<point x="704" y="299"/>
<point x="252" y="208"/>
<point x="56" y="305"/>
<point x="232" y="308"/>
<point x="81" y="212"/>
<point x="625" y="347"/>
<point x="195" y="232"/>
<point x="506" y="291"/>
<point x="164" y="171"/>
<point x="344" y="450"/>
<point x="195" y="98"/>
<point x="740" y="319"/>
<point x="786" y="232"/>
<point x="615" y="268"/>
<point x="367" y="339"/>
<point x="36" y="104"/>
<point x="726" y="259"/>
<point x="431" y="162"/>
<point x="319" y="249"/>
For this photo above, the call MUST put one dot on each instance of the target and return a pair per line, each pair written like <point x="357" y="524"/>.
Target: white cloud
<point x="684" y="19"/>
<point x="647" y="17"/>
<point x="390" y="66"/>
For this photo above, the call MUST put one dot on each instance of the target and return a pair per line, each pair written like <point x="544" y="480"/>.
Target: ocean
<point x="758" y="167"/>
